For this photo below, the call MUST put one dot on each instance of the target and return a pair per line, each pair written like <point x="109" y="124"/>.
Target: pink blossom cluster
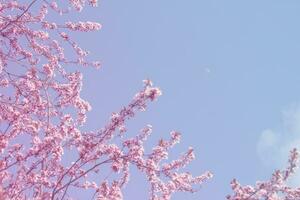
<point x="42" y="115"/>
<point x="83" y="26"/>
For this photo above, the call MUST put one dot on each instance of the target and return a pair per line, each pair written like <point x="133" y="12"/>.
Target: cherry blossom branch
<point x="272" y="189"/>
<point x="19" y="16"/>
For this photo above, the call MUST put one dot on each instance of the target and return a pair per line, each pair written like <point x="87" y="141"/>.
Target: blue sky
<point x="229" y="72"/>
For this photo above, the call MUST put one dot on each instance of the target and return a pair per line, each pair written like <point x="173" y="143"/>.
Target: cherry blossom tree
<point x="42" y="115"/>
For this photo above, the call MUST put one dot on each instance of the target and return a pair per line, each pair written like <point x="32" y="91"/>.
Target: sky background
<point x="229" y="72"/>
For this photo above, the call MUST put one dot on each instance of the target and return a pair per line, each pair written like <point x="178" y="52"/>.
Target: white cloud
<point x="266" y="147"/>
<point x="207" y="70"/>
<point x="273" y="146"/>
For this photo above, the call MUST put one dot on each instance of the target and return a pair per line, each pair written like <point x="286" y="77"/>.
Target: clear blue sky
<point x="229" y="72"/>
